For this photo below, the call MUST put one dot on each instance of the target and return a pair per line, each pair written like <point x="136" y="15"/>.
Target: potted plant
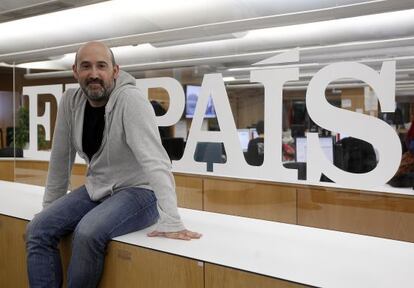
<point x="22" y="129"/>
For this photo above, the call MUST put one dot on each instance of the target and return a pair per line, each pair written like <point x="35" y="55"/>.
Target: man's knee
<point x="89" y="235"/>
<point x="34" y="236"/>
<point x="37" y="230"/>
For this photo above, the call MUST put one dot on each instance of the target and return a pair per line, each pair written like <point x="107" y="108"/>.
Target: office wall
<point x="6" y="114"/>
<point x="6" y="101"/>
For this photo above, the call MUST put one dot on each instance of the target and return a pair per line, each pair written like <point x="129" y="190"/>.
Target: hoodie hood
<point x="122" y="82"/>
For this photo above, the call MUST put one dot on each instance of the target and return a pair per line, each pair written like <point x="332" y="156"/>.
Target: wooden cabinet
<point x="372" y="214"/>
<point x="13" y="269"/>
<point x="7" y="170"/>
<point x="131" y="266"/>
<point x="125" y="265"/>
<point x="224" y="277"/>
<point x="35" y="172"/>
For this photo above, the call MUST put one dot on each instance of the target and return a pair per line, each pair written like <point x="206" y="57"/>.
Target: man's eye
<point x="84" y="66"/>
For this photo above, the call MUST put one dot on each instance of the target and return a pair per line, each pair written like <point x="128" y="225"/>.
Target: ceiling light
<point x="274" y="67"/>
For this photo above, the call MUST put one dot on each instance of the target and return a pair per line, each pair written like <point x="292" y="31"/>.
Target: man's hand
<point x="182" y="235"/>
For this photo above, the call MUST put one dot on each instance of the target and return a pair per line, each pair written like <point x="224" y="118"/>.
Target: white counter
<point x="306" y="255"/>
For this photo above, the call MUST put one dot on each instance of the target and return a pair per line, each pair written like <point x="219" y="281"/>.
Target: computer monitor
<point x="326" y="143"/>
<point x="192" y="93"/>
<point x="300" y="149"/>
<point x="244" y="138"/>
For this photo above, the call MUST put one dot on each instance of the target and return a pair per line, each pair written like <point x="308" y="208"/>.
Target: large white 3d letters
<point x="368" y="128"/>
<point x="273" y="81"/>
<point x="213" y="85"/>
<point x="34" y="120"/>
<point x="175" y="92"/>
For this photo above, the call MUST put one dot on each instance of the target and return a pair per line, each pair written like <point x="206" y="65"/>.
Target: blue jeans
<point x="93" y="224"/>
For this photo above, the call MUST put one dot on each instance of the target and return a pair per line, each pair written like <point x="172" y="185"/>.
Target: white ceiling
<point x="216" y="35"/>
<point x="18" y="9"/>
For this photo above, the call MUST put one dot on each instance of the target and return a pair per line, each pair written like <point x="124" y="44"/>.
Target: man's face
<point x="95" y="72"/>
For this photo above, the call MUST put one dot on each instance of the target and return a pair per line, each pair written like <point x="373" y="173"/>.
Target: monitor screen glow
<point x="326" y="143"/>
<point x="244" y="137"/>
<point x="192" y="92"/>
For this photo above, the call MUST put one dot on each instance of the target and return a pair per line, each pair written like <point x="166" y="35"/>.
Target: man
<point x="255" y="148"/>
<point x="129" y="185"/>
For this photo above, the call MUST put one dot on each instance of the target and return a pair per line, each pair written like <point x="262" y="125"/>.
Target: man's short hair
<point x="110" y="51"/>
<point x="112" y="57"/>
<point x="260" y="127"/>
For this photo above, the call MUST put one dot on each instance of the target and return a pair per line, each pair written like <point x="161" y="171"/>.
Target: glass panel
<point x="253" y="112"/>
<point x="247" y="103"/>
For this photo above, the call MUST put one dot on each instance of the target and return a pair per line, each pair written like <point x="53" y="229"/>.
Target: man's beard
<point x="97" y="95"/>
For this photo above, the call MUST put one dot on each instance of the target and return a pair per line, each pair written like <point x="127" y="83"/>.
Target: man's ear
<point x="116" y="71"/>
<point x="75" y="71"/>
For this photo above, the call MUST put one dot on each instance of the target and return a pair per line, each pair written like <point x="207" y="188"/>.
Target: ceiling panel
<point x="222" y="35"/>
<point x="13" y="10"/>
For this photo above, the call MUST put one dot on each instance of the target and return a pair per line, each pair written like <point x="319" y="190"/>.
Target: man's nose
<point x="93" y="72"/>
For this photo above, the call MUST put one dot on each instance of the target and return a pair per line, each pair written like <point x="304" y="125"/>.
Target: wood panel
<point x="356" y="96"/>
<point x="7" y="170"/>
<point x="35" y="172"/>
<point x="13" y="268"/>
<point x="160" y="95"/>
<point x="31" y="172"/>
<point x="6" y="76"/>
<point x="250" y="199"/>
<point x="387" y="216"/>
<point x="125" y="265"/>
<point x="189" y="191"/>
<point x="132" y="266"/>
<point x="13" y="252"/>
<point x="247" y="105"/>
<point x="224" y="277"/>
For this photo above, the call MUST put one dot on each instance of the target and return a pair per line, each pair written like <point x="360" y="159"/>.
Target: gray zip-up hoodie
<point x="131" y="153"/>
